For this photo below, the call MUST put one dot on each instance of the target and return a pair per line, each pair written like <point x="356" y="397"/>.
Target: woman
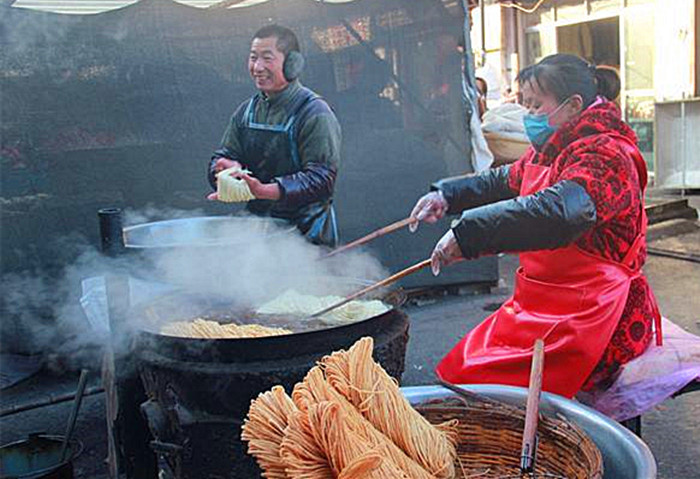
<point x="573" y="206"/>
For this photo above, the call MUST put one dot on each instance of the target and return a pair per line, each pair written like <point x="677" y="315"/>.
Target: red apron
<point x="570" y="298"/>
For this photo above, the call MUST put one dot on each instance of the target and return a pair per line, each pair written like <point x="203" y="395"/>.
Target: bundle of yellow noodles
<point x="264" y="430"/>
<point x="344" y="445"/>
<point x="202" y="328"/>
<point x="322" y="432"/>
<point x="366" y="385"/>
<point x="315" y="389"/>
<point x="300" y="452"/>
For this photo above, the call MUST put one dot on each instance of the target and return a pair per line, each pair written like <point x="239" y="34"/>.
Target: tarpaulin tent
<point x="123" y="107"/>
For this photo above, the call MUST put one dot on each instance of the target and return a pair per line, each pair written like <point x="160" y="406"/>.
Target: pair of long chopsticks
<point x="373" y="235"/>
<point x="379" y="284"/>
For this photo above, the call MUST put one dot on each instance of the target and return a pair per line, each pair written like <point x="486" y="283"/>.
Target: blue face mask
<point x="537" y="127"/>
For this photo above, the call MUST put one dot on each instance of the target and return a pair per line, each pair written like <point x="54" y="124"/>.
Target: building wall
<point x="696" y="79"/>
<point x="656" y="50"/>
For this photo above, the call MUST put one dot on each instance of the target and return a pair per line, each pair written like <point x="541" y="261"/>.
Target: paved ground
<point x="672" y="430"/>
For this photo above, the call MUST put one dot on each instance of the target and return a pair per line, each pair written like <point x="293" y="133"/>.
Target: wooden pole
<point x="385" y="282"/>
<point x="373" y="235"/>
<point x="529" y="445"/>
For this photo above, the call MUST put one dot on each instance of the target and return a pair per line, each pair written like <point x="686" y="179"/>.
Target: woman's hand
<point x="430" y="208"/>
<point x="446" y="252"/>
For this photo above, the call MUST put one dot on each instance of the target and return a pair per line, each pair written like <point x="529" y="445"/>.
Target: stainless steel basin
<point x="204" y="231"/>
<point x="625" y="456"/>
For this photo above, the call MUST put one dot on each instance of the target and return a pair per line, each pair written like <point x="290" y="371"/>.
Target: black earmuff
<point x="293" y="65"/>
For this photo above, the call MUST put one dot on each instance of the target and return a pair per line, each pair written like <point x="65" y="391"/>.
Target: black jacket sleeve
<point x="549" y="219"/>
<point x="315" y="182"/>
<point x="220" y="153"/>
<point x="470" y="191"/>
<point x="319" y="142"/>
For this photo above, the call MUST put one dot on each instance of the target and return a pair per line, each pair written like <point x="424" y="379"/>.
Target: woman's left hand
<point x="446" y="252"/>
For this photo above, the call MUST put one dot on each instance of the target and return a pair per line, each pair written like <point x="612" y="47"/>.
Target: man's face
<point x="265" y="64"/>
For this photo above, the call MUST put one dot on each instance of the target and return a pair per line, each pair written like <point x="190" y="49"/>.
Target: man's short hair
<point x="286" y="39"/>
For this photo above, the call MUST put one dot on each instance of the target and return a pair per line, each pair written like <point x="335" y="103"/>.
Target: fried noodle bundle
<point x="268" y="417"/>
<point x="366" y="385"/>
<point x="315" y="389"/>
<point x="202" y="328"/>
<point x="344" y="446"/>
<point x="327" y="430"/>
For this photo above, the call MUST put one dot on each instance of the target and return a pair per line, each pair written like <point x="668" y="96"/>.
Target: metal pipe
<point x="50" y="400"/>
<point x="693" y="258"/>
<point x="111" y="231"/>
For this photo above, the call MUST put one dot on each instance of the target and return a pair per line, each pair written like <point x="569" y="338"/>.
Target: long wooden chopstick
<point x="467" y="394"/>
<point x="385" y="282"/>
<point x="529" y="445"/>
<point x="373" y="235"/>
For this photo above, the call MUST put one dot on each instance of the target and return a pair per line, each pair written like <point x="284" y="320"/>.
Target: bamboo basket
<point x="490" y="435"/>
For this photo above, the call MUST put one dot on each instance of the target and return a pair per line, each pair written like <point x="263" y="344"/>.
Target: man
<point x="287" y="137"/>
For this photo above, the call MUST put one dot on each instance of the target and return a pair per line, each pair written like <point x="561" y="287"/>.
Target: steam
<point x="259" y="261"/>
<point x="242" y="263"/>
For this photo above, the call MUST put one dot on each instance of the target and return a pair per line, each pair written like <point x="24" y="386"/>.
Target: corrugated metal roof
<point x="98" y="6"/>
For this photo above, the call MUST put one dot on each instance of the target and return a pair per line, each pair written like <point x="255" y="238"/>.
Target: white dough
<point x="233" y="190"/>
<point x="294" y="303"/>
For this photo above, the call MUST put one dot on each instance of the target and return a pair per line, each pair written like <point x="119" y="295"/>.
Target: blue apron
<point x="270" y="151"/>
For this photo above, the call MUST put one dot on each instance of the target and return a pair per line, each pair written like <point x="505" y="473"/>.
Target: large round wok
<point x="309" y="337"/>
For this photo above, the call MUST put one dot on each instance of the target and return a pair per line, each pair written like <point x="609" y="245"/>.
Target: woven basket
<point x="490" y="436"/>
<point x="505" y="149"/>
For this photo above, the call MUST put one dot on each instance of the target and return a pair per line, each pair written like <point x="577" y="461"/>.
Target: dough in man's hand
<point x="233" y="190"/>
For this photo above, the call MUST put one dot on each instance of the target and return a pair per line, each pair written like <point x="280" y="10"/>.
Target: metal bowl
<point x="38" y="457"/>
<point x="625" y="456"/>
<point x="204" y="231"/>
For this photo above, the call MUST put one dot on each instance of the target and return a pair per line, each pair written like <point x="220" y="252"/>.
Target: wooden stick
<point x="73" y="414"/>
<point x="373" y="235"/>
<point x="466" y="394"/>
<point x="529" y="445"/>
<point x="387" y="281"/>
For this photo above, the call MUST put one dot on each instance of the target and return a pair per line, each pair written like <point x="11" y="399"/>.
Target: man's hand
<point x="430" y="208"/>
<point x="261" y="191"/>
<point x="224" y="164"/>
<point x="446" y="252"/>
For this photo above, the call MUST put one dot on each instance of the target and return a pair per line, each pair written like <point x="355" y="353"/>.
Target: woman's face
<point x="539" y="102"/>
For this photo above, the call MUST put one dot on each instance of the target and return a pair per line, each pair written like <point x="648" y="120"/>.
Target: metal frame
<point x="683" y="145"/>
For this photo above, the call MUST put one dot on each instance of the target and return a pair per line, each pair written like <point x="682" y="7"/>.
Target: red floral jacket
<point x="596" y="161"/>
